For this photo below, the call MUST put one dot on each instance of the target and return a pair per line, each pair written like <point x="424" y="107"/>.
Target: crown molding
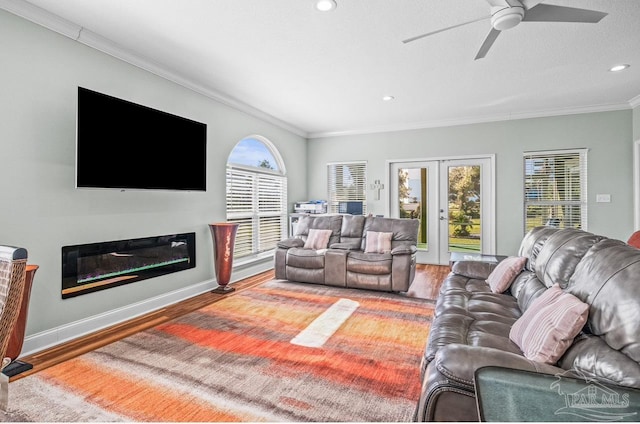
<point x="82" y="35"/>
<point x="71" y="30"/>
<point x="41" y="17"/>
<point x="474" y="120"/>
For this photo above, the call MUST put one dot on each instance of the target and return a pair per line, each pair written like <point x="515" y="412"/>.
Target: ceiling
<point x="325" y="73"/>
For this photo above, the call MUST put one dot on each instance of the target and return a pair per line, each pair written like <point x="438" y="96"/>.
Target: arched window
<point x="256" y="196"/>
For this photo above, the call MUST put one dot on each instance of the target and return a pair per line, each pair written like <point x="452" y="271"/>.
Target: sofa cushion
<point x="317" y="239"/>
<point x="461" y="282"/>
<point x="333" y="223"/>
<point x="526" y="288"/>
<point x="607" y="279"/>
<point x="305" y="258"/>
<point x="405" y="231"/>
<point x="351" y="231"/>
<point x="505" y="272"/>
<point x="290" y="242"/>
<point x="561" y="254"/>
<point x="473" y="269"/>
<point x="533" y="242"/>
<point x="591" y="357"/>
<point x="378" y="242"/>
<point x="472" y="318"/>
<point x="547" y="329"/>
<point x="369" y="263"/>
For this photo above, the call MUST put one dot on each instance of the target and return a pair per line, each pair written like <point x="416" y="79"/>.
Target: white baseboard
<point x="64" y="333"/>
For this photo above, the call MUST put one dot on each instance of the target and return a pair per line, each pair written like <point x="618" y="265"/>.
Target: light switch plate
<point x="603" y="198"/>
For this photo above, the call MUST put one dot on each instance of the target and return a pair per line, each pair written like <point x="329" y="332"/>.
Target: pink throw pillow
<point x="378" y="242"/>
<point x="317" y="239"/>
<point x="505" y="272"/>
<point x="547" y="328"/>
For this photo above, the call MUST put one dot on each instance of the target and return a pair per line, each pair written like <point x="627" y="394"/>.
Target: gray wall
<point x="42" y="211"/>
<point x="40" y="208"/>
<point x="608" y="136"/>
<point x="636" y="123"/>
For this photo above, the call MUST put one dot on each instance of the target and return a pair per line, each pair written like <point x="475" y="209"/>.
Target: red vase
<point x="224" y="237"/>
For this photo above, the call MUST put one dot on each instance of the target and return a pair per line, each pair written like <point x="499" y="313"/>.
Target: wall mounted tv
<point x="123" y="145"/>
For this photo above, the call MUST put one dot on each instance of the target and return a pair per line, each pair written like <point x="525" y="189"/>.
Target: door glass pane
<point x="464" y="208"/>
<point x="412" y="193"/>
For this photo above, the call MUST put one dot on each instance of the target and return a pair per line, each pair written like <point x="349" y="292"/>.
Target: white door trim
<point x="491" y="232"/>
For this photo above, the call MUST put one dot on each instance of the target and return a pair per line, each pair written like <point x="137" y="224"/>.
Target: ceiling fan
<point x="506" y="14"/>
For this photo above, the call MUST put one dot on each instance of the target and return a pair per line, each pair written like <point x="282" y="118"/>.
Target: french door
<point x="454" y="201"/>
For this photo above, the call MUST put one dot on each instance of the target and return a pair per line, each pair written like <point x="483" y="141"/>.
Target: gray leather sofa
<point x="471" y="326"/>
<point x="344" y="263"/>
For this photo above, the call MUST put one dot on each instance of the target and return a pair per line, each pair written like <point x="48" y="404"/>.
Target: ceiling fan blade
<point x="529" y="4"/>
<point x="550" y="13"/>
<point x="488" y="42"/>
<point x="408" y="40"/>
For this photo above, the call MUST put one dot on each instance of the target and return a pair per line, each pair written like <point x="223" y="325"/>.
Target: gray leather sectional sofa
<point x="344" y="261"/>
<point x="472" y="324"/>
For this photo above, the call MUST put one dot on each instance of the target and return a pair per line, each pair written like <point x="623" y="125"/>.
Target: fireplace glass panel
<point x="91" y="267"/>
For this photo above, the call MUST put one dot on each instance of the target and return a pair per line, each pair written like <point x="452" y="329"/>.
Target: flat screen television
<point x="124" y="145"/>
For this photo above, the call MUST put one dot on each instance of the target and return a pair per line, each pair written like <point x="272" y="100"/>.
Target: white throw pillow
<point x="378" y="242"/>
<point x="505" y="272"/>
<point x="317" y="239"/>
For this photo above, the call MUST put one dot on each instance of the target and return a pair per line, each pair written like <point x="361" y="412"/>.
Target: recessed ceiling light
<point x="387" y="98"/>
<point x="326" y="5"/>
<point x="619" y="68"/>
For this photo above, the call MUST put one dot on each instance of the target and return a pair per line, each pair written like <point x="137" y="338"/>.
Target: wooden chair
<point x="13" y="264"/>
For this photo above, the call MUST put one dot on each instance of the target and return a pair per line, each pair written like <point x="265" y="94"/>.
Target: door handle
<point x="442" y="218"/>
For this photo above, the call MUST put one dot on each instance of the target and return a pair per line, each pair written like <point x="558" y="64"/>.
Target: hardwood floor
<point x="426" y="285"/>
<point x="427" y="282"/>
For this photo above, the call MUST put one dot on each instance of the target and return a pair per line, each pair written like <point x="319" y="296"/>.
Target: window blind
<point x="257" y="202"/>
<point x="346" y="181"/>
<point x="555" y="189"/>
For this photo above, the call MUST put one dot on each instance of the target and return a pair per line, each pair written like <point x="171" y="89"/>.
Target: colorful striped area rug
<point x="277" y="352"/>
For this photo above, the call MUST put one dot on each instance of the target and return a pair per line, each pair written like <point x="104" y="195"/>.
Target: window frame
<point x="582" y="170"/>
<point x="256" y="215"/>
<point x="335" y="195"/>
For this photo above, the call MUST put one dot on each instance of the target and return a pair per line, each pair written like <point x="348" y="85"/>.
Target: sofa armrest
<point x="459" y="362"/>
<point x="346" y="246"/>
<point x="404" y="250"/>
<point x="291" y="242"/>
<point x="473" y="269"/>
<point x="502" y="394"/>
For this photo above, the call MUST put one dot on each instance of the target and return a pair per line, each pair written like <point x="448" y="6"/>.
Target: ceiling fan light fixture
<point x="507" y="18"/>
<point x="326" y="5"/>
<point x="619" y="68"/>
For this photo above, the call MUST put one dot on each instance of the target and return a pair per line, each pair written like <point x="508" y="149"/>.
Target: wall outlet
<point x="603" y="198"/>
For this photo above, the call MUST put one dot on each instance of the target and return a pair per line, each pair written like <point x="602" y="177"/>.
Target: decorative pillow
<point x="317" y="239"/>
<point x="505" y="272"/>
<point x="547" y="328"/>
<point x="378" y="242"/>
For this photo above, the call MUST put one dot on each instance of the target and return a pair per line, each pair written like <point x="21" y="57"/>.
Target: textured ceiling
<point x="326" y="73"/>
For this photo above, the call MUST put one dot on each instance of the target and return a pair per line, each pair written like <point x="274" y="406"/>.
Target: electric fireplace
<point x="91" y="267"/>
